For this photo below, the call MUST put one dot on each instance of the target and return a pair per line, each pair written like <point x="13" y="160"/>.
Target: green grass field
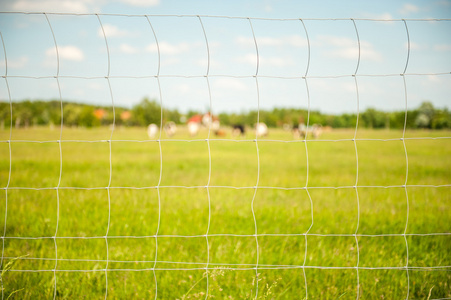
<point x="232" y="253"/>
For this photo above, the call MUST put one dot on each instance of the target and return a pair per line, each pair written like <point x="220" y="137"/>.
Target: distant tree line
<point x="35" y="113"/>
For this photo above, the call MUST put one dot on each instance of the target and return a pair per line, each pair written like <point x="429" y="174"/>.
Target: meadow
<point x="305" y="218"/>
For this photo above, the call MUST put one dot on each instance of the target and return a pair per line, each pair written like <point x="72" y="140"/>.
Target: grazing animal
<point x="220" y="132"/>
<point x="215" y="125"/>
<point x="296" y="132"/>
<point x="238" y="130"/>
<point x="196" y="122"/>
<point x="286" y="126"/>
<point x="208" y="119"/>
<point x="152" y="130"/>
<point x="261" y="129"/>
<point x="170" y="128"/>
<point x="303" y="130"/>
<point x="193" y="128"/>
<point x="316" y="130"/>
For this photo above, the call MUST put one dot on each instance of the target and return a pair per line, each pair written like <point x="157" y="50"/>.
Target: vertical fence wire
<point x="407" y="158"/>
<point x="258" y="160"/>
<point x="161" y="156"/>
<point x="60" y="156"/>
<point x="210" y="121"/>
<point x="306" y="157"/>
<point x="10" y="160"/>
<point x="110" y="141"/>
<point x="357" y="161"/>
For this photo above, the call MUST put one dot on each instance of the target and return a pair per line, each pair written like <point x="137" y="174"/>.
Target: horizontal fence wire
<point x="224" y="17"/>
<point x="229" y="187"/>
<point x="263" y="267"/>
<point x="216" y="264"/>
<point x="227" y="234"/>
<point x="224" y="75"/>
<point x="223" y="140"/>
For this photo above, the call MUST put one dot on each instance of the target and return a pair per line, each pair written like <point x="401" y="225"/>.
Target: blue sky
<point x="282" y="53"/>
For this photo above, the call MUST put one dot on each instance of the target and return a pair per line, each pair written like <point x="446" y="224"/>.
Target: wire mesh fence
<point x="205" y="259"/>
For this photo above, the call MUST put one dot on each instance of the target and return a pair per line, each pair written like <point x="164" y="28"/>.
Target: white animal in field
<point x="211" y="121"/>
<point x="296" y="132"/>
<point x="215" y="125"/>
<point x="152" y="131"/>
<point x="286" y="127"/>
<point x="206" y="119"/>
<point x="170" y="128"/>
<point x="261" y="129"/>
<point x="193" y="128"/>
<point x="316" y="130"/>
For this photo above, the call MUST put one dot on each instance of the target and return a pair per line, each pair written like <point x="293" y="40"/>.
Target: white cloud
<point x="170" y="61"/>
<point x="183" y="88"/>
<point x="127" y="49"/>
<point x="111" y="31"/>
<point x="348" y="48"/>
<point x="17" y="63"/>
<point x="292" y="40"/>
<point x="434" y="78"/>
<point x="141" y="3"/>
<point x="251" y="58"/>
<point x="384" y="16"/>
<point x="96" y="86"/>
<point x="408" y="9"/>
<point x="168" y="48"/>
<point x="343" y="88"/>
<point x="348" y="53"/>
<point x="442" y="47"/>
<point x="214" y="44"/>
<point x="213" y="63"/>
<point x="229" y="84"/>
<point x="277" y="61"/>
<point x="66" y="52"/>
<point x="444" y="3"/>
<point x="80" y="6"/>
<point x="415" y="46"/>
<point x="244" y="41"/>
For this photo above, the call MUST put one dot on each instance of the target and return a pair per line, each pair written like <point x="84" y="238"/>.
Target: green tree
<point x="146" y="112"/>
<point x="441" y="119"/>
<point x="426" y="113"/>
<point x="86" y="117"/>
<point x="372" y="118"/>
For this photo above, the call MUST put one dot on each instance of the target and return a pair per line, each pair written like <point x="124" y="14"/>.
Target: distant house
<point x="203" y="119"/>
<point x="126" y="115"/>
<point x="195" y="119"/>
<point x="100" y="113"/>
